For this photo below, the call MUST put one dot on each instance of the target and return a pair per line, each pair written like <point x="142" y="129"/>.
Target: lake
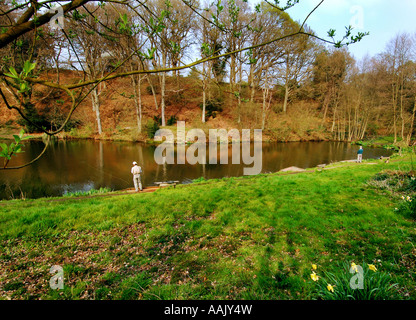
<point x="81" y="165"/>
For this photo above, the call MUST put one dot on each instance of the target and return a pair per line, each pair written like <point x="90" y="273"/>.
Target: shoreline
<point x="42" y="136"/>
<point x="152" y="188"/>
<point x="378" y="141"/>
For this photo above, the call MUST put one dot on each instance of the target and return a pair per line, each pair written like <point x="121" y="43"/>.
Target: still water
<point x="81" y="165"/>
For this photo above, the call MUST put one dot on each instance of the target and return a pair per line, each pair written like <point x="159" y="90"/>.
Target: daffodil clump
<point x="351" y="281"/>
<point x="407" y="206"/>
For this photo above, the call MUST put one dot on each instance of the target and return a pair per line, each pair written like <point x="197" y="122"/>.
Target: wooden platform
<point x="158" y="186"/>
<point x="166" y="184"/>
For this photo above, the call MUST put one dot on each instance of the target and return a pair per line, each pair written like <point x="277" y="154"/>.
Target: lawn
<point x="233" y="238"/>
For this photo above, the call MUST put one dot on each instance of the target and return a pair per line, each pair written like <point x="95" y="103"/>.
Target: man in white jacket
<point x="136" y="172"/>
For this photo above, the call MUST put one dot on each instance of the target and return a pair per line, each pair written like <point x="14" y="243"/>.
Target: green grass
<point x="234" y="238"/>
<point x="87" y="193"/>
<point x="386" y="142"/>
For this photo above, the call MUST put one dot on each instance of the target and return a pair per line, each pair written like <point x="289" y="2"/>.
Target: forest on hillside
<point x="247" y="65"/>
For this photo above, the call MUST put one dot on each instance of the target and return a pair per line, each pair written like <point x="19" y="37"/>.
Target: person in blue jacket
<point x="360" y="155"/>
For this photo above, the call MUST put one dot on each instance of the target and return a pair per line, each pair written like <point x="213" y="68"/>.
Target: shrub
<point x="35" y="119"/>
<point x="71" y="124"/>
<point x="176" y="98"/>
<point x="155" y="88"/>
<point x="158" y="120"/>
<point x="353" y="282"/>
<point x="172" y="120"/>
<point x="151" y="128"/>
<point x="9" y="122"/>
<point x="212" y="106"/>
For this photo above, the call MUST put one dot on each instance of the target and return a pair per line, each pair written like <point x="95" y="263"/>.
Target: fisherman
<point x="136" y="172"/>
<point x="360" y="155"/>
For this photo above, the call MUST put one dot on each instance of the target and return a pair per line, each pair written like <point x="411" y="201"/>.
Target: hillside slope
<point x="183" y="99"/>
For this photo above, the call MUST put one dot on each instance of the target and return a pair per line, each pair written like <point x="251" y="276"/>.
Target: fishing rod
<point x="110" y="174"/>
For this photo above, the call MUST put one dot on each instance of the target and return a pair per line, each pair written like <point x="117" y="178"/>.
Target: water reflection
<point x="73" y="165"/>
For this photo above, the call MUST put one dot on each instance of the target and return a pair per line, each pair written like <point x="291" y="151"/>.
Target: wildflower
<point x="396" y="209"/>
<point x="354" y="267"/>
<point x="372" y="267"/>
<point x="314" y="276"/>
<point x="403" y="197"/>
<point x="314" y="266"/>
<point x="330" y="288"/>
<point x="408" y="198"/>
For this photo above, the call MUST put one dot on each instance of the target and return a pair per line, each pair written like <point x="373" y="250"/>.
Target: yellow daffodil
<point x="314" y="266"/>
<point x="314" y="276"/>
<point x="372" y="267"/>
<point x="330" y="288"/>
<point x="354" y="267"/>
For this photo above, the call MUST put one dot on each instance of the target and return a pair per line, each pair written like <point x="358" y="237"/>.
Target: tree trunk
<point x="364" y="129"/>
<point x="139" y="118"/>
<point x="162" y="90"/>
<point x="137" y="101"/>
<point x="412" y="123"/>
<point x="287" y="92"/>
<point x="162" y="102"/>
<point x="263" y="114"/>
<point x="204" y="103"/>
<point x="394" y="115"/>
<point x="153" y="91"/>
<point x="232" y="69"/>
<point x="204" y="88"/>
<point x="402" y="112"/>
<point x="327" y="101"/>
<point x="96" y="108"/>
<point x="335" y="112"/>
<point x="334" y="118"/>
<point x="252" y="87"/>
<point x="240" y="75"/>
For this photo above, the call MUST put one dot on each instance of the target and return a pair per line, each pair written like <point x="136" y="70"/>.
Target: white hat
<point x="134" y="162"/>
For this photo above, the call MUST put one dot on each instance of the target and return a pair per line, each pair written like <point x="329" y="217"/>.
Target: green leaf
<point x="4" y="146"/>
<point x="150" y="53"/>
<point x="124" y="18"/>
<point x="5" y="155"/>
<point x="28" y="67"/>
<point x="331" y="33"/>
<point x="13" y="73"/>
<point x="23" y="87"/>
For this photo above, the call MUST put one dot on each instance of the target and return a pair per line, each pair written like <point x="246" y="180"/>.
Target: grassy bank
<point x="235" y="238"/>
<point x="386" y="142"/>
